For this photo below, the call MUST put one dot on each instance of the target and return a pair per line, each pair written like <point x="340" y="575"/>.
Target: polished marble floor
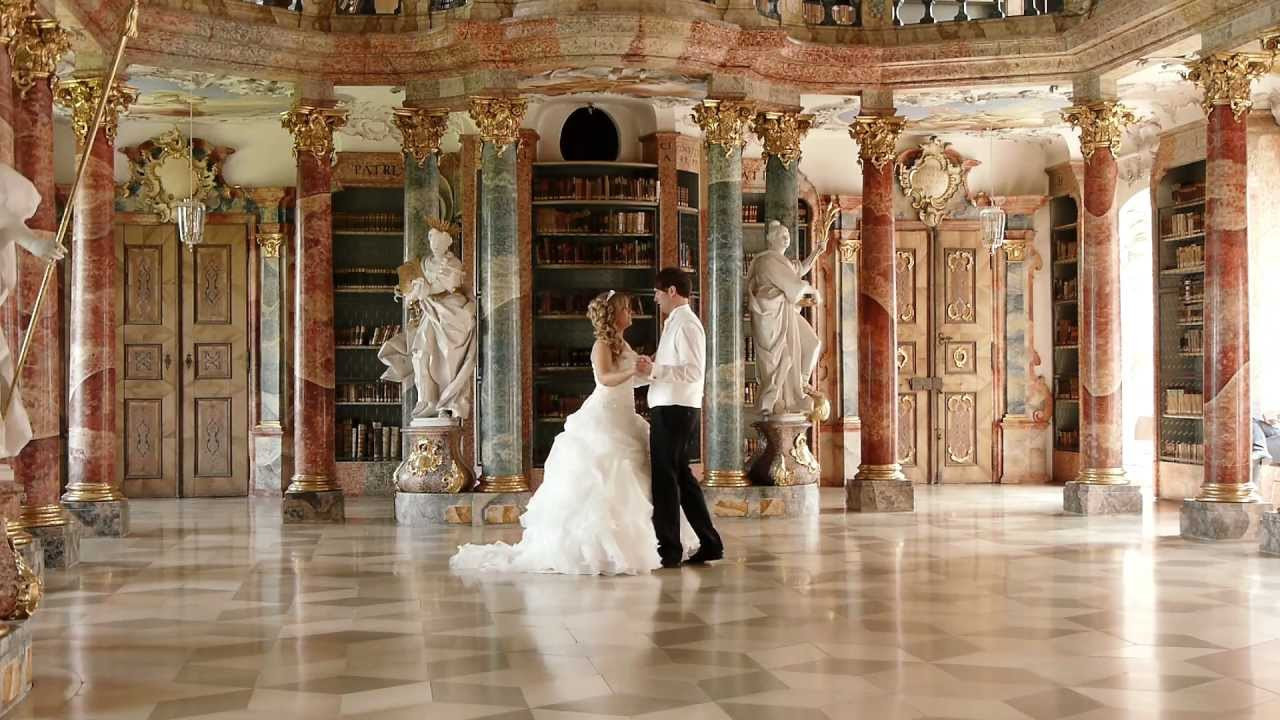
<point x="986" y="603"/>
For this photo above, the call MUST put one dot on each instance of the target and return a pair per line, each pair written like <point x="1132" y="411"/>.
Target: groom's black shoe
<point x="703" y="556"/>
<point x="670" y="564"/>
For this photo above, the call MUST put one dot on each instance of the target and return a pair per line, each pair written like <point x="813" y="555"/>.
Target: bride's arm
<point x="639" y="379"/>
<point x="608" y="370"/>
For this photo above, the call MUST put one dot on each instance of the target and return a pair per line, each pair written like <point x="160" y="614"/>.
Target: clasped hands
<point x="644" y="365"/>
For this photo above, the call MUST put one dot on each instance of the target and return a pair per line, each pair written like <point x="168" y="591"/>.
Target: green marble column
<point x="781" y="189"/>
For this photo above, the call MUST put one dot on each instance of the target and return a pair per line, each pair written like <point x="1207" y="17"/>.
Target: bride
<point x="593" y="514"/>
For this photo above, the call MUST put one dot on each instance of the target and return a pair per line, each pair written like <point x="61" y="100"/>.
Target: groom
<point x="675" y="375"/>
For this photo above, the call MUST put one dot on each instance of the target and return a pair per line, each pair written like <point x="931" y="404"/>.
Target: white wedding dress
<point x="592" y="515"/>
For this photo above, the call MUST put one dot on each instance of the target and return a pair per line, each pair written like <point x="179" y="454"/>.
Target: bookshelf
<point x="368" y="246"/>
<point x="1064" y="219"/>
<point x="595" y="228"/>
<point x="1179" y="321"/>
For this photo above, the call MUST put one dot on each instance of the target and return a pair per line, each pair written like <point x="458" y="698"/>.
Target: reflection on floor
<point x="984" y="604"/>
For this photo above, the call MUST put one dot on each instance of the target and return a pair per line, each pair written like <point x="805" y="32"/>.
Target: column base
<point x="503" y="484"/>
<point x="763" y="501"/>
<point x="313" y="506"/>
<point x="102" y="518"/>
<point x="61" y="544"/>
<point x="1216" y="521"/>
<point x="15" y="664"/>
<point x="475" y="509"/>
<point x="1079" y="498"/>
<point x="880" y="496"/>
<point x="1270" y="532"/>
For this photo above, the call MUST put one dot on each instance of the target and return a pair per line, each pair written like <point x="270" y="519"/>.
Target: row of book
<point x="1192" y="340"/>
<point x="1184" y="223"/>
<point x="598" y="187"/>
<point x="1066" y="250"/>
<point x="367" y="440"/>
<point x="371" y="335"/>
<point x="368" y="222"/>
<point x="682" y="197"/>
<point x="558" y="404"/>
<point x="611" y="222"/>
<point x="1066" y="333"/>
<point x="1178" y="401"/>
<point x="1066" y="289"/>
<point x="550" y="251"/>
<point x="1193" y="291"/>
<point x="1190" y="451"/>
<point x="364" y="277"/>
<point x="749" y="349"/>
<point x="752" y="213"/>
<point x="575" y="302"/>
<point x="750" y="392"/>
<point x="1066" y="387"/>
<point x="550" y="356"/>
<point x="367" y="392"/>
<point x="1189" y="256"/>
<point x="1066" y="439"/>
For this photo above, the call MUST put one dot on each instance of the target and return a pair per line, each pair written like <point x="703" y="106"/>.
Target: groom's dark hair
<point x="676" y="278"/>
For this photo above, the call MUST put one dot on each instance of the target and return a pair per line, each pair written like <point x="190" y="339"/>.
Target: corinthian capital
<point x="781" y="133"/>
<point x="1101" y="125"/>
<point x="498" y="120"/>
<point x="724" y="122"/>
<point x="81" y="97"/>
<point x="421" y="129"/>
<point x="312" y="129"/>
<point x="12" y="13"/>
<point x="1227" y="79"/>
<point x="877" y="138"/>
<point x="35" y="50"/>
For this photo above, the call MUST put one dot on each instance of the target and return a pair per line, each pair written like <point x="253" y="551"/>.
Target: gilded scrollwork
<point x="1227" y="79"/>
<point x="877" y="138"/>
<point x="312" y="129"/>
<point x="80" y="96"/>
<point x="270" y="244"/>
<point x="36" y="49"/>
<point x="12" y="14"/>
<point x="905" y="266"/>
<point x="421" y="130"/>
<point x="802" y="455"/>
<point x="724" y="122"/>
<point x="931" y="181"/>
<point x="168" y="171"/>
<point x="781" y="134"/>
<point x="30" y="588"/>
<point x="1101" y="125"/>
<point x="498" y="119"/>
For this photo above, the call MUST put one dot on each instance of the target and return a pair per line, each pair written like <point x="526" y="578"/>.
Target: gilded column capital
<point x="35" y="50"/>
<point x="1101" y="125"/>
<point x="724" y="122"/>
<point x="81" y="96"/>
<point x="421" y="130"/>
<point x="877" y="138"/>
<point x="312" y="129"/>
<point x="1227" y="79"/>
<point x="12" y="15"/>
<point x="781" y="133"/>
<point x="1271" y="42"/>
<point x="498" y="119"/>
<point x="270" y="243"/>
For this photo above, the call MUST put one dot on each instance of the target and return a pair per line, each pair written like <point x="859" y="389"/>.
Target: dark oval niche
<point x="589" y="134"/>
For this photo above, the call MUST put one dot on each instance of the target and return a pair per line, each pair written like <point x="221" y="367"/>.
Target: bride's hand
<point x="644" y="365"/>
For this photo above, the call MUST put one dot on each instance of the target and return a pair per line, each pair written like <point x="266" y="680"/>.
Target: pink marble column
<point x="39" y="466"/>
<point x="6" y="104"/>
<point x="879" y="485"/>
<point x="1101" y="428"/>
<point x="1227" y="438"/>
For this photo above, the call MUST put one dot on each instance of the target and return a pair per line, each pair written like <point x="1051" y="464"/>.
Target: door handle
<point x="189" y="360"/>
<point x="943" y="338"/>
<point x="168" y="362"/>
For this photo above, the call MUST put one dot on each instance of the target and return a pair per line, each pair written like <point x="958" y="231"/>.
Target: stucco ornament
<point x="931" y="181"/>
<point x="1101" y="125"/>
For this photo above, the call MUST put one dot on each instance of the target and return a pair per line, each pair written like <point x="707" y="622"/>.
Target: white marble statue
<point x="786" y="346"/>
<point x="437" y="353"/>
<point x="18" y="202"/>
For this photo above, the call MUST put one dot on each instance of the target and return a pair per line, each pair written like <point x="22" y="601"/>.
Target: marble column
<point x="1101" y="486"/>
<point x="879" y="485"/>
<point x="502" y="448"/>
<point x="781" y="134"/>
<point x="1228" y="506"/>
<point x="38" y="467"/>
<point x="11" y="19"/>
<point x="93" y="493"/>
<point x="268" y="431"/>
<point x="313" y="494"/>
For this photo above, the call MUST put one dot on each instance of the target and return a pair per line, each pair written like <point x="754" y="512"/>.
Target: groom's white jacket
<point x="680" y="365"/>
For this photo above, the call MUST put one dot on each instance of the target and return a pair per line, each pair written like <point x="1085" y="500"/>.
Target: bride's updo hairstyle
<point x="602" y="312"/>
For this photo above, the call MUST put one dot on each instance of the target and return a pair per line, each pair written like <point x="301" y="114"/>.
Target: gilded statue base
<point x="423" y="509"/>
<point x="1083" y="498"/>
<point x="313" y="506"/>
<point x="1270" y="533"/>
<point x="760" y="502"/>
<point x="1219" y="521"/>
<point x="784" y="458"/>
<point x="433" y="461"/>
<point x="15" y="664"/>
<point x="103" y="518"/>
<point x="880" y="488"/>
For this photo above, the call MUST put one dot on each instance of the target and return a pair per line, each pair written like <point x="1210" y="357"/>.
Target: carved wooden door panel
<point x="147" y="348"/>
<point x="963" y="357"/>
<point x="215" y="410"/>
<point x="913" y="354"/>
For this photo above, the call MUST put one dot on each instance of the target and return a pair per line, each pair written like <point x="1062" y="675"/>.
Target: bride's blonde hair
<point x="602" y="312"/>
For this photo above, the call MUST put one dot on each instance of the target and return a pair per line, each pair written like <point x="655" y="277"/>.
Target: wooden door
<point x="215" y="366"/>
<point x="147" y="345"/>
<point x="964" y="344"/>
<point x="914" y="353"/>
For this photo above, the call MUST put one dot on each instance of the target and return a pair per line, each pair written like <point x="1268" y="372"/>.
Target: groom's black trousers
<point x="671" y="430"/>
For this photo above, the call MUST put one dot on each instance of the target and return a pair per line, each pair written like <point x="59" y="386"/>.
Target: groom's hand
<point x="644" y="365"/>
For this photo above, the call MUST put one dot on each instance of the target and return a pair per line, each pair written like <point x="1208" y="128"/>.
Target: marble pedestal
<point x="1211" y="521"/>
<point x="61" y="544"/>
<point x="15" y="664"/>
<point x="476" y="509"/>
<point x="763" y="501"/>
<point x="880" y="496"/>
<point x="108" y="518"/>
<point x="1092" y="499"/>
<point x="431" y="464"/>
<point x="1270" y="532"/>
<point x="323" y="506"/>
<point x="785" y="458"/>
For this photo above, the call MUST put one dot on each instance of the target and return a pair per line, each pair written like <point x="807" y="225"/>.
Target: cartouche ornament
<point x="421" y="129"/>
<point x="80" y="96"/>
<point x="781" y="134"/>
<point x="877" y="138"/>
<point x="724" y="122"/>
<point x="312" y="129"/>
<point x="1227" y="79"/>
<point x="1101" y="125"/>
<point x="35" y="50"/>
<point x="498" y="120"/>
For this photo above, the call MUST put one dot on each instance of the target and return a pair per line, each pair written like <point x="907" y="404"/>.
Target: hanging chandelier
<point x="190" y="213"/>
<point x="992" y="218"/>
